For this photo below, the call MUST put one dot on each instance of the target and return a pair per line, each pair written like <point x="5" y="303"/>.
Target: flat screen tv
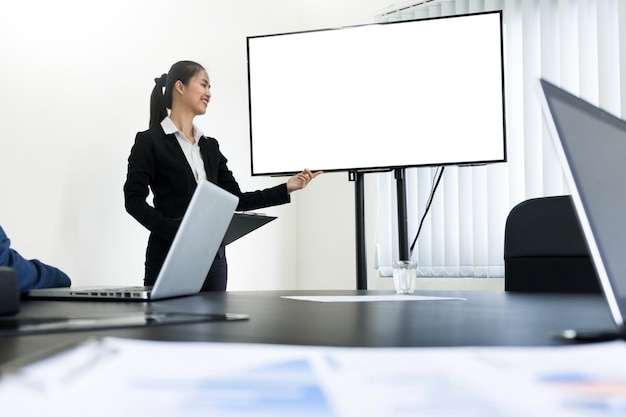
<point x="424" y="92"/>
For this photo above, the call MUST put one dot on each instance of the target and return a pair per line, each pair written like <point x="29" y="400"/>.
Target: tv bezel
<point x="383" y="168"/>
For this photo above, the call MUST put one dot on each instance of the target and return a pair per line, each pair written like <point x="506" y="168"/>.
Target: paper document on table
<point x="134" y="377"/>
<point x="366" y="298"/>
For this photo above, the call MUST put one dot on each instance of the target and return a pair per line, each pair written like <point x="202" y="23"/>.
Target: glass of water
<point x="404" y="275"/>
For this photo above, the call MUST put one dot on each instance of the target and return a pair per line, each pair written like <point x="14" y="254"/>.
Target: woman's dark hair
<point x="161" y="101"/>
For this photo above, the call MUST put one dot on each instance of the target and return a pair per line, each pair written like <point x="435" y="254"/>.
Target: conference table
<point x="470" y="318"/>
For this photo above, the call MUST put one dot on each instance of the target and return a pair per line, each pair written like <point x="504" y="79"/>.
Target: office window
<point x="574" y="43"/>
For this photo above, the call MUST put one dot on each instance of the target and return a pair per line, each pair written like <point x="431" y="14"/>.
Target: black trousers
<point x="156" y="252"/>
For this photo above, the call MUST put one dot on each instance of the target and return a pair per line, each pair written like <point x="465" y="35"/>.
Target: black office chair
<point x="9" y="295"/>
<point x="544" y="249"/>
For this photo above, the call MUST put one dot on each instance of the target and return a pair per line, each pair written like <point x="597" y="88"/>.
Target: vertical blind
<point x="572" y="43"/>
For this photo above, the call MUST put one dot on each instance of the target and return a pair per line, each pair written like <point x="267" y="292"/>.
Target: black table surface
<point x="489" y="318"/>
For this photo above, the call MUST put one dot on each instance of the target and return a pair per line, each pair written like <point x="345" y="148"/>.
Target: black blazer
<point x="157" y="161"/>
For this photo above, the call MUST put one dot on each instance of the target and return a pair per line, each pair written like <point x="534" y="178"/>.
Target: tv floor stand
<point x="359" y="204"/>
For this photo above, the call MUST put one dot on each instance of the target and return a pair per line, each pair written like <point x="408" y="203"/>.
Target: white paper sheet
<point x="366" y="298"/>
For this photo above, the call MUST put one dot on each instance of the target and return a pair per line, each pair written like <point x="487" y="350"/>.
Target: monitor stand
<point x="359" y="204"/>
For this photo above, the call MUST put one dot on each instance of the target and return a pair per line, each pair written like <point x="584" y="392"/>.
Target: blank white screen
<point x="423" y="92"/>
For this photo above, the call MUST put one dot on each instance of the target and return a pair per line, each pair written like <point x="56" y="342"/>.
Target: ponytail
<point x="158" y="107"/>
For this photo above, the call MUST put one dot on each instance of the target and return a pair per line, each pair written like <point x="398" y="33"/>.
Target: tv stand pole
<point x="403" y="235"/>
<point x="359" y="204"/>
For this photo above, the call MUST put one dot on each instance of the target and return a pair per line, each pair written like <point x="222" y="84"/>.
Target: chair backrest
<point x="544" y="248"/>
<point x="9" y="295"/>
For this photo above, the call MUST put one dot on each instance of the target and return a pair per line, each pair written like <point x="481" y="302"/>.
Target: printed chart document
<point x="132" y="377"/>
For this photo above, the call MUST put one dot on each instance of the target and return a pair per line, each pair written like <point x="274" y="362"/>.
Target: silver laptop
<point x="189" y="259"/>
<point x="591" y="144"/>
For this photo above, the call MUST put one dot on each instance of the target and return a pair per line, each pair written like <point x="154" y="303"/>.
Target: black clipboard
<point x="244" y="223"/>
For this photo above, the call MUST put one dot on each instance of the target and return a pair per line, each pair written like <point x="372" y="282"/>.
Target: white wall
<point x="76" y="77"/>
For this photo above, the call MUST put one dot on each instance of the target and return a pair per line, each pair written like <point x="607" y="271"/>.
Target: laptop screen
<point x="592" y="147"/>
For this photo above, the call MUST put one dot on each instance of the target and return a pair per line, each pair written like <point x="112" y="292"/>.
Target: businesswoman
<point x="172" y="155"/>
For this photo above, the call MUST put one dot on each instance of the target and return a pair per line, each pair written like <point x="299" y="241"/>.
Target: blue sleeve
<point x="30" y="273"/>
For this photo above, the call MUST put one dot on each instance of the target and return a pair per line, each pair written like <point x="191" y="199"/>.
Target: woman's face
<point x="197" y="93"/>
